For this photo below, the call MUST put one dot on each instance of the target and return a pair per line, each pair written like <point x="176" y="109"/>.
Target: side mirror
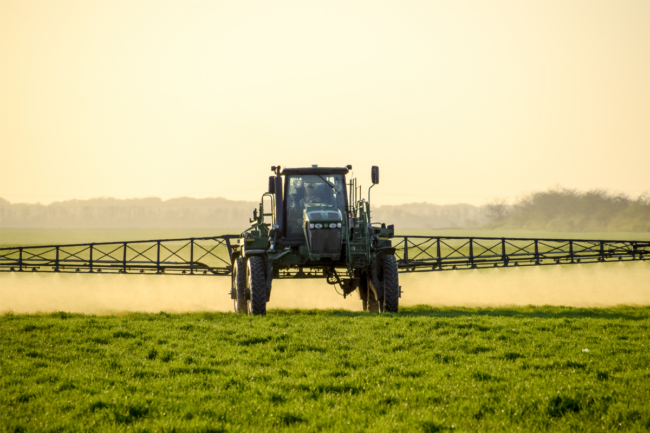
<point x="271" y="184"/>
<point x="375" y="175"/>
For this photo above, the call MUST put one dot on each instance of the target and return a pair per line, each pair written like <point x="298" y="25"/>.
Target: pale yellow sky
<point x="456" y="101"/>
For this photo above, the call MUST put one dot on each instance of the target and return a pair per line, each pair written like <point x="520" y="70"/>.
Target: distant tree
<point x="570" y="210"/>
<point x="496" y="210"/>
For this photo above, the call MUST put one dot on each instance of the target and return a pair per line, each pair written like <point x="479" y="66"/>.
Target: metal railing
<point x="190" y="256"/>
<point x="436" y="253"/>
<point x="213" y="255"/>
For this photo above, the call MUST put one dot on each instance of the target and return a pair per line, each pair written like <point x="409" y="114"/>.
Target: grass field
<point x="429" y="370"/>
<point x="426" y="369"/>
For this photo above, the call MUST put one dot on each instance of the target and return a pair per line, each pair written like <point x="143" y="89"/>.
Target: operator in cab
<point x="310" y="196"/>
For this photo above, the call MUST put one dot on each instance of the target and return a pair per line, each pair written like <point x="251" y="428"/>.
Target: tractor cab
<point x="314" y="208"/>
<point x="312" y="193"/>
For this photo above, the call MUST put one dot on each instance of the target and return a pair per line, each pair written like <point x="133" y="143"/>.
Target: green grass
<point x="423" y="370"/>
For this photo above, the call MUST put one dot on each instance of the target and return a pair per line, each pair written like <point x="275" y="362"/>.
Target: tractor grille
<point x="325" y="241"/>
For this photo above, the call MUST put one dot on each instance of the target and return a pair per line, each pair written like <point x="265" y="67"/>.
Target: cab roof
<point x="314" y="170"/>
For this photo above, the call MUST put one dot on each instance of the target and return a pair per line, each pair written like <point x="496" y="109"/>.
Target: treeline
<point x="431" y="216"/>
<point x="569" y="210"/>
<point x="206" y="213"/>
<point x="150" y="212"/>
<point x="558" y="209"/>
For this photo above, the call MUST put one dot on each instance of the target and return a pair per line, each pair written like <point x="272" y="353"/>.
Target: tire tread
<point x="240" y="286"/>
<point x="257" y="284"/>
<point x="391" y="284"/>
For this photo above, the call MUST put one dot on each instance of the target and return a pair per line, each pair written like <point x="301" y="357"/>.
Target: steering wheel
<point x="316" y="200"/>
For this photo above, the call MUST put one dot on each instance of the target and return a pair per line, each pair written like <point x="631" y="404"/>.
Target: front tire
<point x="391" y="284"/>
<point x="239" y="284"/>
<point x="257" y="285"/>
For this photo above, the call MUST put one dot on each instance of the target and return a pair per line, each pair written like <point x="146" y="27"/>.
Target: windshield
<point x="311" y="190"/>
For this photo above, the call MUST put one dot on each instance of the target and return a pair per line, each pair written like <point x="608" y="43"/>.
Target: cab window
<point x="312" y="190"/>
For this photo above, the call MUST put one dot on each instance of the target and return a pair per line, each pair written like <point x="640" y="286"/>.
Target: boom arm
<point x="190" y="256"/>
<point x="213" y="255"/>
<point x="427" y="253"/>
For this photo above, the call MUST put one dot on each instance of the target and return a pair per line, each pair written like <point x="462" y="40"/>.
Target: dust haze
<point x="588" y="285"/>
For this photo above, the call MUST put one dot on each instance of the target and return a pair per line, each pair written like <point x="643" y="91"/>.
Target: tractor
<point x="317" y="227"/>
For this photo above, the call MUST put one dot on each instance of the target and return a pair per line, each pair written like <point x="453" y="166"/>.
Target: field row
<point x="425" y="369"/>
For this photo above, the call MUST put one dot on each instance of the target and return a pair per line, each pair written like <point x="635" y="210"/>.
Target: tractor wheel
<point x="257" y="285"/>
<point x="239" y="284"/>
<point x="391" y="284"/>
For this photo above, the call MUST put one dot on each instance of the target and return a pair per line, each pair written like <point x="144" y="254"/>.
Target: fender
<point x="247" y="253"/>
<point x="385" y="250"/>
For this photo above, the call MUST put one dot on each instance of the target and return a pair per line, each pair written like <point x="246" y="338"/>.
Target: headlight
<point x="338" y="225"/>
<point x="311" y="226"/>
<point x="319" y="226"/>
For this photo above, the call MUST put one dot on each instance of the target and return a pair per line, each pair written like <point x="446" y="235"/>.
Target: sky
<point x="455" y="101"/>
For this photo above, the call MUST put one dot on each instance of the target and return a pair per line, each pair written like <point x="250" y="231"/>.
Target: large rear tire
<point x="239" y="284"/>
<point x="257" y="284"/>
<point x="391" y="284"/>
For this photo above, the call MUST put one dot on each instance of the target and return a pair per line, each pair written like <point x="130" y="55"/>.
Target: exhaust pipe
<point x="279" y="205"/>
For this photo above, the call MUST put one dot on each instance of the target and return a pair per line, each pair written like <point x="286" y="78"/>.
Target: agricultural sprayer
<point x="313" y="223"/>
